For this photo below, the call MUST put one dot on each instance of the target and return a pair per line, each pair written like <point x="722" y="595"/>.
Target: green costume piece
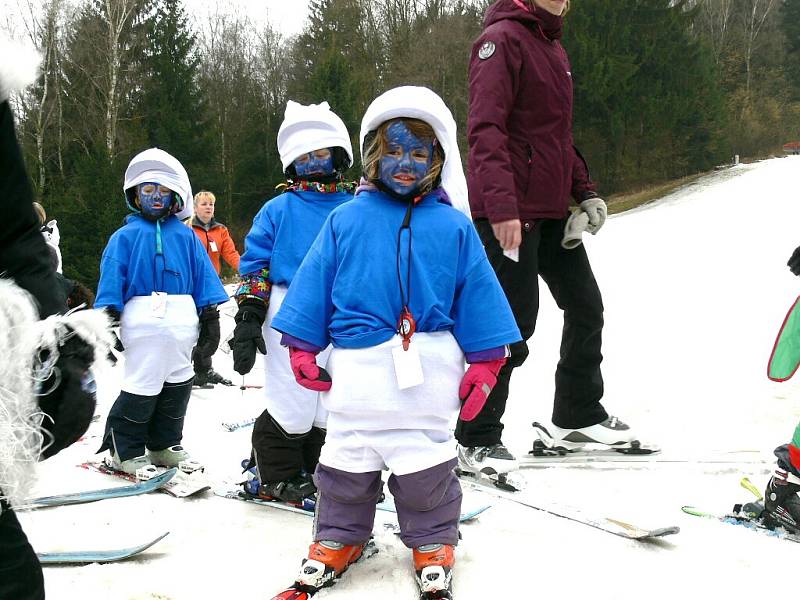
<point x="785" y="356"/>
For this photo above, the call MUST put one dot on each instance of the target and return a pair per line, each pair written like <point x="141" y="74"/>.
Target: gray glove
<point x="597" y="212"/>
<point x="573" y="230"/>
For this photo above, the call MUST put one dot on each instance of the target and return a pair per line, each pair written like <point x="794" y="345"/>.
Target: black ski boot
<point x="214" y="377"/>
<point x="208" y="379"/>
<point x="782" y="502"/>
<point x="291" y="491"/>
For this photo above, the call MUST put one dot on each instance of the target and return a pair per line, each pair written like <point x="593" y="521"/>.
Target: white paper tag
<point x="158" y="304"/>
<point x="512" y="254"/>
<point x="213" y="245"/>
<point x="407" y="367"/>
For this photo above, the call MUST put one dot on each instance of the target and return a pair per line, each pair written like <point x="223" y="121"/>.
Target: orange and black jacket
<point x="217" y="241"/>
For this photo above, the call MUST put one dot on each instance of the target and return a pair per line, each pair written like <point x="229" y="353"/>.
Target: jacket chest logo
<point x="486" y="50"/>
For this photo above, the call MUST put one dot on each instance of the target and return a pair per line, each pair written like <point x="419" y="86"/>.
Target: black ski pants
<point x="579" y="382"/>
<point x="156" y="422"/>
<point x="280" y="456"/>
<point x="20" y="572"/>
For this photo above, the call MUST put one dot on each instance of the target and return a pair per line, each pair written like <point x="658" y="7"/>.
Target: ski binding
<point x="548" y="446"/>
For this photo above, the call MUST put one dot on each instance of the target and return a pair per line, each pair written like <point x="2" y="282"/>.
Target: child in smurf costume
<point x="157" y="281"/>
<point x="399" y="284"/>
<point x="315" y="150"/>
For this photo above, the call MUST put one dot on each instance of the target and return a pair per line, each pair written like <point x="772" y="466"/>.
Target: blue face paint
<point x="407" y="161"/>
<point x="155" y="200"/>
<point x="318" y="163"/>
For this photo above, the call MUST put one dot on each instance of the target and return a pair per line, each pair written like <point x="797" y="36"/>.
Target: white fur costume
<point x="22" y="337"/>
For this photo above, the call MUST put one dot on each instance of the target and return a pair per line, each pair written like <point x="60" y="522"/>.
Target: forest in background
<point x="663" y="89"/>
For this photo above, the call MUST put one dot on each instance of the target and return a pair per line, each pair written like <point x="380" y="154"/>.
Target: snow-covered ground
<point x="695" y="286"/>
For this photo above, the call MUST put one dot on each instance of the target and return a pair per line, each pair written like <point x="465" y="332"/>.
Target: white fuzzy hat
<point x="308" y="128"/>
<point x="158" y="166"/>
<point x="423" y="104"/>
<point x="19" y="65"/>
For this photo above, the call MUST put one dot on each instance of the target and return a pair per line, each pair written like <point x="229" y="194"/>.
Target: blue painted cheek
<point x="391" y="166"/>
<point x="314" y="166"/>
<point x="148" y="202"/>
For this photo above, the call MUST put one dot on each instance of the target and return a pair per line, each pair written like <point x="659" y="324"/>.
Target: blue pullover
<point x="283" y="231"/>
<point x="347" y="292"/>
<point x="130" y="266"/>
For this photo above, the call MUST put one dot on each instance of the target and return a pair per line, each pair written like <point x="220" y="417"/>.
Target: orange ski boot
<point x="326" y="561"/>
<point x="433" y="565"/>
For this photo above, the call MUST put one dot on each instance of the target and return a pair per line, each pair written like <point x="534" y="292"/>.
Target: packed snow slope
<point x="695" y="287"/>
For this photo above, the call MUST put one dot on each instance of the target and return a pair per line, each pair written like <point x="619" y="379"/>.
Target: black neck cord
<point x="405" y="294"/>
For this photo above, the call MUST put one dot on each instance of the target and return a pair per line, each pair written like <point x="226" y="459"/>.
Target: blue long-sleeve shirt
<point x="283" y="231"/>
<point x="346" y="292"/>
<point x="130" y="266"/>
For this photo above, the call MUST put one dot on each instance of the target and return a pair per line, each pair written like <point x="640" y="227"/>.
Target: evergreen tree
<point x="169" y="104"/>
<point x="790" y="23"/>
<point x="646" y="105"/>
<point x="336" y="59"/>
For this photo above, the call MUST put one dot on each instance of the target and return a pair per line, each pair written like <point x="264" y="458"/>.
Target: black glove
<point x="70" y="406"/>
<point x="247" y="336"/>
<point x="794" y="262"/>
<point x="208" y="341"/>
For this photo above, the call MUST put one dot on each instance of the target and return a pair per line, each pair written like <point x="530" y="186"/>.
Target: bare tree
<point x="716" y="16"/>
<point x="117" y="16"/>
<point x="226" y="71"/>
<point x="754" y="15"/>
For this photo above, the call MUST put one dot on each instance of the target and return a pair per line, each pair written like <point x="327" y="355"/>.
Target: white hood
<point x="158" y="166"/>
<point x="425" y="105"/>
<point x="308" y="128"/>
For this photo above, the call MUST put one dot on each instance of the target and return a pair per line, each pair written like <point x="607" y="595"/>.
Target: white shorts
<point x="372" y="424"/>
<point x="157" y="350"/>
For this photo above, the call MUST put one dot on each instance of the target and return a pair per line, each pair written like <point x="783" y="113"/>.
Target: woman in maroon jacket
<point x="523" y="170"/>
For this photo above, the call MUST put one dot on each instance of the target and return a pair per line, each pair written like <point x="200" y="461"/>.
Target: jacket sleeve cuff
<point x="254" y="285"/>
<point x="585" y="195"/>
<point x="487" y="355"/>
<point x="293" y="342"/>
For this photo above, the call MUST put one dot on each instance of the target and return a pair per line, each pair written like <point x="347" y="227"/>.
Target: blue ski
<point x="95" y="556"/>
<point x="142" y="487"/>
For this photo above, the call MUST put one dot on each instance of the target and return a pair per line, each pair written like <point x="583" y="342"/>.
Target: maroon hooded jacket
<point x="522" y="164"/>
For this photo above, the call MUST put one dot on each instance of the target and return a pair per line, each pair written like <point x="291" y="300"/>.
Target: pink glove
<point x="306" y="371"/>
<point x="476" y="386"/>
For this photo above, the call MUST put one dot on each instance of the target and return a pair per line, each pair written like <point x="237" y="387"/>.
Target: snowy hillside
<point x="695" y="286"/>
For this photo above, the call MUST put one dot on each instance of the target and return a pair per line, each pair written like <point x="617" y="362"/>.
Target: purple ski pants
<point x="428" y="505"/>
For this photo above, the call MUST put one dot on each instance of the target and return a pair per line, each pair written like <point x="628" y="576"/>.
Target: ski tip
<point x="695" y="512"/>
<point x="661" y="532"/>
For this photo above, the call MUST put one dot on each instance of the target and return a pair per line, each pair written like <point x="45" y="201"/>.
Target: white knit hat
<point x="308" y="128"/>
<point x="423" y="104"/>
<point x="157" y="166"/>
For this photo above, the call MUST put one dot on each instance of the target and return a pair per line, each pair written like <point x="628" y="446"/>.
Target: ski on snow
<point x="141" y="487"/>
<point x="607" y="524"/>
<point x="96" y="556"/>
<point x="746" y="515"/>
<point x="181" y="485"/>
